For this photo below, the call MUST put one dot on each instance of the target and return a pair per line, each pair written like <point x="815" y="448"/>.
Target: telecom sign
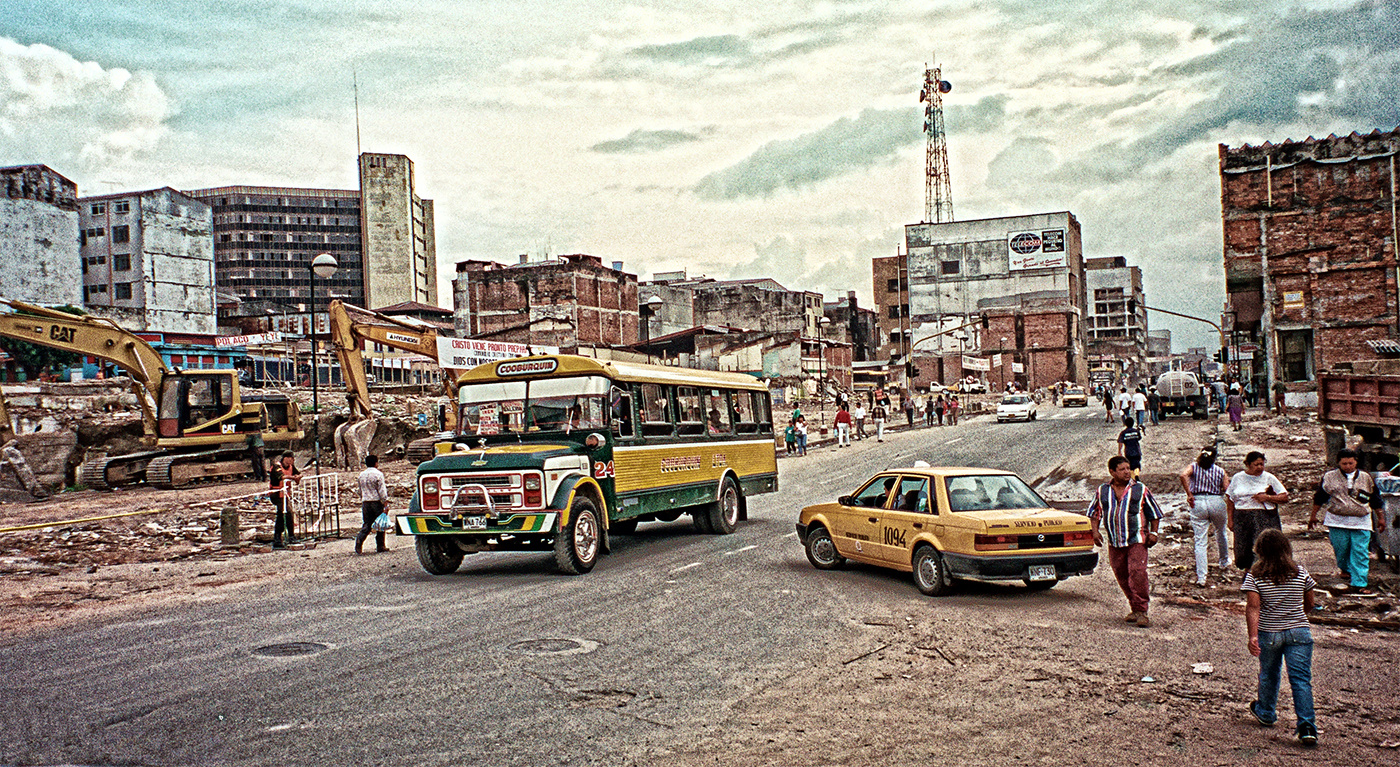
<point x="1044" y="249"/>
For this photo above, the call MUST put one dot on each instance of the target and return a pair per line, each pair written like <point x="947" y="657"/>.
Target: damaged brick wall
<point x="1323" y="212"/>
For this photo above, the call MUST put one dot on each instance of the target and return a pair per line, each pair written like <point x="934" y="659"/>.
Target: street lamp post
<point x="1002" y="350"/>
<point x="323" y="266"/>
<point x="1030" y="382"/>
<point x="645" y="312"/>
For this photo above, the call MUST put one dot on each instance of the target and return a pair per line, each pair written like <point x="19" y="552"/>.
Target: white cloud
<point x="57" y="110"/>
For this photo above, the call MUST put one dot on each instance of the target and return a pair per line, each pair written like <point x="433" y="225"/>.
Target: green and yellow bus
<point x="559" y="452"/>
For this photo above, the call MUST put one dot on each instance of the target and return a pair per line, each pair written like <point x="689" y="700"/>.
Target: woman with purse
<point x="1351" y="501"/>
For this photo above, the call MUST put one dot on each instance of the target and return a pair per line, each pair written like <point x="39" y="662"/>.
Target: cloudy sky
<point x="729" y="139"/>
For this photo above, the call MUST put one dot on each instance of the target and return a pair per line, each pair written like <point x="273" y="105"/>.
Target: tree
<point x="36" y="358"/>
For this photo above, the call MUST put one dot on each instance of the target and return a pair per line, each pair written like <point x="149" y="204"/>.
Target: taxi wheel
<point x="821" y="550"/>
<point x="437" y="554"/>
<point x="576" y="547"/>
<point x="928" y="571"/>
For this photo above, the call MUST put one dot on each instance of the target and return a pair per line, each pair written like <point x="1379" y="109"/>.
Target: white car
<point x="1016" y="407"/>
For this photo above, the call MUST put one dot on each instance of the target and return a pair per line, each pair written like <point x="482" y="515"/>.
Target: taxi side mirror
<point x="847" y="500"/>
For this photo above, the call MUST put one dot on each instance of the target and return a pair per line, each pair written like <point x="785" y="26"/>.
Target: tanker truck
<point x="1182" y="393"/>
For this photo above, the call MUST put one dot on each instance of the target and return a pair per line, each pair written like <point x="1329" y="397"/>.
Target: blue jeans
<point x="1293" y="647"/>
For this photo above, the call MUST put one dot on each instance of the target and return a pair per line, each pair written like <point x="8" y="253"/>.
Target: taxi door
<point x="907" y="514"/>
<point x="857" y="527"/>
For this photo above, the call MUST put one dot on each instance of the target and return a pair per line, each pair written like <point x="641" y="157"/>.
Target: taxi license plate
<point x="473" y="523"/>
<point x="1042" y="572"/>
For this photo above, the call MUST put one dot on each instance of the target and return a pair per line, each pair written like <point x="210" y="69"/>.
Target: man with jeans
<point x="1251" y="506"/>
<point x="1130" y="515"/>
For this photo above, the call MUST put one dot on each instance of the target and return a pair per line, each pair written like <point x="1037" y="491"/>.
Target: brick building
<point x="567" y="301"/>
<point x="1309" y="251"/>
<point x="39" y="260"/>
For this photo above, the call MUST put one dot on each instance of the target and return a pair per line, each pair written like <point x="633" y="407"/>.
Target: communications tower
<point x="938" y="189"/>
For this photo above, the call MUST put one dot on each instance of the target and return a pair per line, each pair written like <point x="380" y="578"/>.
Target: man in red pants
<point x="1130" y="516"/>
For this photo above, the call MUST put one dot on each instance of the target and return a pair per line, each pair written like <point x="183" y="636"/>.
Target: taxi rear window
<point x="990" y="491"/>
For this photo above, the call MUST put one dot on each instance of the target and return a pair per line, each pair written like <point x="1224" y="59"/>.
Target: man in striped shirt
<point x="1130" y="516"/>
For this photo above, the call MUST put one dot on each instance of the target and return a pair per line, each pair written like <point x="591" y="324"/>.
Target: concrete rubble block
<point x="48" y="455"/>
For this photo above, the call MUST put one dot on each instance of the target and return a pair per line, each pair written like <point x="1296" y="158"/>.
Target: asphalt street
<point x="503" y="662"/>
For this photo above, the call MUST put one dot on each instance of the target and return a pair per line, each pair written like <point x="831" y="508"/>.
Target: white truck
<point x="1182" y="393"/>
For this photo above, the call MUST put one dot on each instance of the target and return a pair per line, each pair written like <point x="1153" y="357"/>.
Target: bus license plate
<point x="479" y="523"/>
<point x="1042" y="572"/>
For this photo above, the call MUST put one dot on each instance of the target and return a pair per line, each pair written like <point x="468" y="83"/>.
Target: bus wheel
<point x="437" y="555"/>
<point x="623" y="527"/>
<point x="724" y="515"/>
<point x="576" y="546"/>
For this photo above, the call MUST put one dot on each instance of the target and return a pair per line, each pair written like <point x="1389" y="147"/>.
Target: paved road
<point x="649" y="650"/>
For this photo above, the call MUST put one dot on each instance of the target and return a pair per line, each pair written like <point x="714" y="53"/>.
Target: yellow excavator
<point x="196" y="421"/>
<point x="350" y="328"/>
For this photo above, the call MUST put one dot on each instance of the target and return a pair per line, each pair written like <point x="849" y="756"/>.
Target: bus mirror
<point x="594" y="441"/>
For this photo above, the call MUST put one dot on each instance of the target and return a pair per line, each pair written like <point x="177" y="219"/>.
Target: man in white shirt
<point x="1251" y="506"/>
<point x="1140" y="405"/>
<point x="373" y="494"/>
<point x="1123" y="402"/>
<point x="859" y="415"/>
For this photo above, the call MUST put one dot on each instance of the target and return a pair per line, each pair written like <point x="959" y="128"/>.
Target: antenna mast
<point x="356" y="80"/>
<point x="938" y="189"/>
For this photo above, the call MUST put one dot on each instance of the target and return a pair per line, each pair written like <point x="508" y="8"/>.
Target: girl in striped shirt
<point x="1279" y="593"/>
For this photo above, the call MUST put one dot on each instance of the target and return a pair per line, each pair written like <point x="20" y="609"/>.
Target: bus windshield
<point x="519" y="407"/>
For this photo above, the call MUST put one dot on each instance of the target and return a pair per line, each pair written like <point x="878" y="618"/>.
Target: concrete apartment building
<point x="148" y="260"/>
<point x="1159" y="351"/>
<point x="1116" y="325"/>
<point x="400" y="247"/>
<point x="1310" y="254"/>
<point x="566" y="301"/>
<point x="1023" y="276"/>
<point x="39" y="260"/>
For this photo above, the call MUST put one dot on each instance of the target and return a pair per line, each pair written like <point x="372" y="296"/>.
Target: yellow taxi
<point x="1075" y="396"/>
<point x="944" y="524"/>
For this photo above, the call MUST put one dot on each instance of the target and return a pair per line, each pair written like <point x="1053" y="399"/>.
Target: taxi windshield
<point x="519" y="407"/>
<point x="991" y="491"/>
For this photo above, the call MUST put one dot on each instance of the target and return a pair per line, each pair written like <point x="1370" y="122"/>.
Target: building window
<point x="1295" y="354"/>
<point x="122" y="291"/>
<point x="121" y="208"/>
<point x="121" y="234"/>
<point x="892" y="285"/>
<point x="98" y="208"/>
<point x="951" y="267"/>
<point x="121" y="261"/>
<point x="96" y="232"/>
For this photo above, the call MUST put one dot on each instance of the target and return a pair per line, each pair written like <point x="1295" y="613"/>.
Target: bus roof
<point x="539" y="366"/>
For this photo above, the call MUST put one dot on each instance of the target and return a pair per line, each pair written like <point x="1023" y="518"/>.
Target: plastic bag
<point x="382" y="523"/>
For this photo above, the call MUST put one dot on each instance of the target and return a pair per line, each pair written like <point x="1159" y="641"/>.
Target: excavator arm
<point x="91" y="336"/>
<point x="351" y="326"/>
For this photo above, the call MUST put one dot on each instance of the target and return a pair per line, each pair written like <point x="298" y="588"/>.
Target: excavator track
<point x="116" y="471"/>
<point x="183" y="469"/>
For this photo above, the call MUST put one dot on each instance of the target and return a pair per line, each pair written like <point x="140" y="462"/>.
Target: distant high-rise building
<point x="39" y="237"/>
<point x="266" y="237"/>
<point x="148" y="260"/>
<point x="1117" y="316"/>
<point x="400" y="262"/>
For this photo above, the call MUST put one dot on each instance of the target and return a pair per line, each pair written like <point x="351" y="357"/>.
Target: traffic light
<point x="984" y="321"/>
<point x="912" y="371"/>
<point x="1132" y="306"/>
<point x="1223" y="355"/>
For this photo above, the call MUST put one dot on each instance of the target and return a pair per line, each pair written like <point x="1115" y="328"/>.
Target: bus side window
<point x="763" y="412"/>
<point x="692" y="412"/>
<point x="744" y="418"/>
<point x="717" y="413"/>
<point x="656" y="411"/>
<point x="620" y="406"/>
